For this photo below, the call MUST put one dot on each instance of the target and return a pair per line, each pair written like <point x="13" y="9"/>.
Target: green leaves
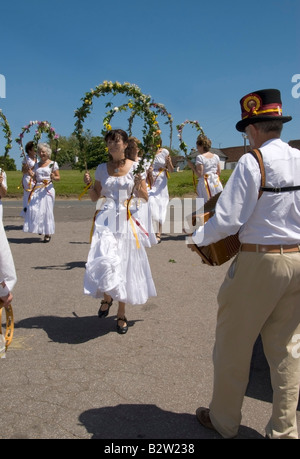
<point x="138" y="102"/>
<point x="7" y="132"/>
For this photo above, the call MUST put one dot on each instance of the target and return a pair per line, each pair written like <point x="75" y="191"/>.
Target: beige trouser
<point x="260" y="295"/>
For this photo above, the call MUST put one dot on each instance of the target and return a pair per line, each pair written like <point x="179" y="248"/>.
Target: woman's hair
<point x="46" y="146"/>
<point x="115" y="134"/>
<point x="130" y="151"/>
<point x="29" y="146"/>
<point x="203" y="141"/>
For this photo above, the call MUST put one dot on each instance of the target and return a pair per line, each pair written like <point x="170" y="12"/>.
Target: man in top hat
<point x="260" y="294"/>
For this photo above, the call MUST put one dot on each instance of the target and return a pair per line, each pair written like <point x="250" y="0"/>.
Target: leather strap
<point x="270" y="248"/>
<point x="280" y="190"/>
<point x="258" y="156"/>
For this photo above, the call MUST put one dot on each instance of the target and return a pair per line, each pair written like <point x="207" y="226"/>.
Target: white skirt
<point x="117" y="263"/>
<point x="39" y="218"/>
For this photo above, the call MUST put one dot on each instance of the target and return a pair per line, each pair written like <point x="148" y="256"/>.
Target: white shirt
<point x="275" y="217"/>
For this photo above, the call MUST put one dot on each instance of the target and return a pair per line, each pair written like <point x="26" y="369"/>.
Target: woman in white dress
<point x="143" y="206"/>
<point x="39" y="217"/>
<point x="27" y="181"/>
<point x="157" y="181"/>
<point x="8" y="276"/>
<point x="117" y="267"/>
<point x="207" y="168"/>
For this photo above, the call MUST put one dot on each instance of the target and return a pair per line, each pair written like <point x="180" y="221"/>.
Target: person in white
<point x="117" y="266"/>
<point x="157" y="182"/>
<point x="39" y="218"/>
<point x="207" y="168"/>
<point x="3" y="190"/>
<point x="260" y="294"/>
<point x="27" y="180"/>
<point x="143" y="208"/>
<point x="8" y="277"/>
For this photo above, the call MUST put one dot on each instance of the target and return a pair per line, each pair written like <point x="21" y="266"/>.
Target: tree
<point x="68" y="151"/>
<point x="7" y="163"/>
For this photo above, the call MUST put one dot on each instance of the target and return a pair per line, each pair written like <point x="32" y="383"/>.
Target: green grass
<point x="71" y="183"/>
<point x="181" y="183"/>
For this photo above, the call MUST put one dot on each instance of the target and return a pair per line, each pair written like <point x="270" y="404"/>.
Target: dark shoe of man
<point x="202" y="414"/>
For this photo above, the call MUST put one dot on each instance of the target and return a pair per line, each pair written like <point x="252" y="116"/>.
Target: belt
<point x="270" y="248"/>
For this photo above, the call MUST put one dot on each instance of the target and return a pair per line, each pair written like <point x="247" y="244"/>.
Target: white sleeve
<point x="7" y="266"/>
<point x="235" y="204"/>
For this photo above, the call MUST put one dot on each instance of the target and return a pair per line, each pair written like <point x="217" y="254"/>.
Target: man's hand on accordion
<point x="192" y="247"/>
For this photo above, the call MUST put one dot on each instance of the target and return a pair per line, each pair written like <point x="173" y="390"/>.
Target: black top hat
<point x="263" y="105"/>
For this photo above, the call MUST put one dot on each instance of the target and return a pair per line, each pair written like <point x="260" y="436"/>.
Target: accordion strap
<point x="280" y="190"/>
<point x="258" y="156"/>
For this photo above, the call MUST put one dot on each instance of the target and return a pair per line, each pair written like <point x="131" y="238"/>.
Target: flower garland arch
<point x="7" y="132"/>
<point x="182" y="144"/>
<point x="160" y="109"/>
<point x="42" y="127"/>
<point x="138" y="102"/>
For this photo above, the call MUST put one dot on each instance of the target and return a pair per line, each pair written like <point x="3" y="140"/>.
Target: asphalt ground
<point x="69" y="375"/>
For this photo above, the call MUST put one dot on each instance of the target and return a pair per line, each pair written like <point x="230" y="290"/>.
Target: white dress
<point x="27" y="183"/>
<point x="144" y="208"/>
<point x="158" y="192"/>
<point x="117" y="262"/>
<point x="209" y="184"/>
<point x="39" y="217"/>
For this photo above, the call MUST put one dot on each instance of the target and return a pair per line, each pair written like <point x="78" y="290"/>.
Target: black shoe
<point x="122" y="330"/>
<point x="106" y="311"/>
<point x="47" y="238"/>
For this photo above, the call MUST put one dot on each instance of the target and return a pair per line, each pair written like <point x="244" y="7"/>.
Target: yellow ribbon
<point x="133" y="228"/>
<point x="84" y="191"/>
<point x="93" y="225"/>
<point x="129" y="217"/>
<point x="259" y="112"/>
<point x="206" y="185"/>
<point x="45" y="183"/>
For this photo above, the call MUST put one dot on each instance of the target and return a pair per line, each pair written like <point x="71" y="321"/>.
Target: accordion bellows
<point x="219" y="252"/>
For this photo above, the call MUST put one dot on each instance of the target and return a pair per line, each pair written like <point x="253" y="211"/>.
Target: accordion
<point x="219" y="252"/>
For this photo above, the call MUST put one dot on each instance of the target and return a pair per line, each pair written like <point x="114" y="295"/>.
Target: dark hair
<point x="270" y="126"/>
<point x="29" y="146"/>
<point x="203" y="141"/>
<point x="132" y="143"/>
<point x="115" y="134"/>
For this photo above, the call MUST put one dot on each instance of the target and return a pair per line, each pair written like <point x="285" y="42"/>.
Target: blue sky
<point x="197" y="58"/>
